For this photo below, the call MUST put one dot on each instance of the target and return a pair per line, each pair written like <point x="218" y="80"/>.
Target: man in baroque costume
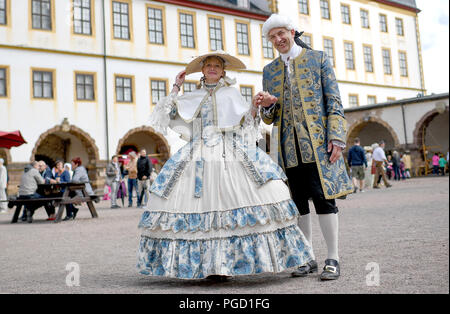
<point x="301" y="99"/>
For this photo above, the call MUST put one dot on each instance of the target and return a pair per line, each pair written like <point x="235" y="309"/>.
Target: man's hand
<point x="335" y="151"/>
<point x="264" y="99"/>
<point x="144" y="178"/>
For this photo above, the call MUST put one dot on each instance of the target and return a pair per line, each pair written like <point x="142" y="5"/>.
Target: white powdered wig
<point x="275" y="21"/>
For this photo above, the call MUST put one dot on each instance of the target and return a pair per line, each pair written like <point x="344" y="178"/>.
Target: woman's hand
<point x="179" y="80"/>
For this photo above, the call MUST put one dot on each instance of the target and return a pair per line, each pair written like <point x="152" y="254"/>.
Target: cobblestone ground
<point x="402" y="231"/>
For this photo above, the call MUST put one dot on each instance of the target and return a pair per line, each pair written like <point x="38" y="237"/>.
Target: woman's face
<point x="59" y="166"/>
<point x="74" y="165"/>
<point x="213" y="70"/>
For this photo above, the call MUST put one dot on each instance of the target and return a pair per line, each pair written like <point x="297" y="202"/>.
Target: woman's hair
<point x="222" y="61"/>
<point x="77" y="161"/>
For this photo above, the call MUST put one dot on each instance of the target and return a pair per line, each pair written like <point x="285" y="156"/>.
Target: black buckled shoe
<point x="304" y="270"/>
<point x="331" y="270"/>
<point x="219" y="278"/>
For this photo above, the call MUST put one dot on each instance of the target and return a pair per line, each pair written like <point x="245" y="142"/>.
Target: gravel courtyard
<point x="403" y="232"/>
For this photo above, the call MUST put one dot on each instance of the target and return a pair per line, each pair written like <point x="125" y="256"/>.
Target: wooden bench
<point x="52" y="195"/>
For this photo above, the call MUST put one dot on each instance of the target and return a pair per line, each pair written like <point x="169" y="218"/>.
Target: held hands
<point x="264" y="99"/>
<point x="335" y="151"/>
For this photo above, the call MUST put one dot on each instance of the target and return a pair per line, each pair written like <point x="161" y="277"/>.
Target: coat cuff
<point x="337" y="128"/>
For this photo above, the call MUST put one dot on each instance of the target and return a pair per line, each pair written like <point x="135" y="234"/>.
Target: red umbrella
<point x="10" y="139"/>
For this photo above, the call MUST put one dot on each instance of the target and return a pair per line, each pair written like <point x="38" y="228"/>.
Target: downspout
<point x="419" y="52"/>
<point x="404" y="126"/>
<point x="105" y="81"/>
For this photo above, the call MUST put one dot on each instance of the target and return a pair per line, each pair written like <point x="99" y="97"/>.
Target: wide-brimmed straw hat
<point x="231" y="63"/>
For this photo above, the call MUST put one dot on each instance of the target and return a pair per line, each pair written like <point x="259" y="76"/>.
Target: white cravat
<point x="295" y="51"/>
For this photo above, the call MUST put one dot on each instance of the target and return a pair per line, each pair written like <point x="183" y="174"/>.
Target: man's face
<point x="282" y="39"/>
<point x="143" y="153"/>
<point x="41" y="166"/>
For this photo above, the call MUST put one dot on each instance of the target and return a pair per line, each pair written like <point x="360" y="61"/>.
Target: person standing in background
<point x="442" y="163"/>
<point x="435" y="161"/>
<point x="379" y="157"/>
<point x="358" y="163"/>
<point x="113" y="177"/>
<point x="132" y="177"/>
<point x="3" y="185"/>
<point x="144" y="169"/>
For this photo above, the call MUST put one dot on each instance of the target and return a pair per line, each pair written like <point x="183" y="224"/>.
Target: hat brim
<point x="231" y="63"/>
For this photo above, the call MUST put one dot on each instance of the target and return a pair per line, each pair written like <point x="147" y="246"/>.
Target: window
<point x="387" y="61"/>
<point x="383" y="23"/>
<point x="3" y="82"/>
<point x="242" y="39"/>
<point x="349" y="56"/>
<point x="82" y="17"/>
<point x="85" y="86"/>
<point x="124" y="89"/>
<point x="159" y="90"/>
<point x="43" y="84"/>
<point x="371" y="100"/>
<point x="267" y="48"/>
<point x="215" y="34"/>
<point x="155" y="26"/>
<point x="399" y="26"/>
<point x="368" y="59"/>
<point x="345" y="12"/>
<point x="328" y="47"/>
<point x="189" y="87"/>
<point x="243" y="3"/>
<point x="303" y="6"/>
<point x="403" y="63"/>
<point x="3" y="17"/>
<point x="41" y="14"/>
<point x="325" y="9"/>
<point x="121" y="25"/>
<point x="307" y="39"/>
<point x="353" y="100"/>
<point x="365" y="19"/>
<point x="187" y="30"/>
<point x="247" y="93"/>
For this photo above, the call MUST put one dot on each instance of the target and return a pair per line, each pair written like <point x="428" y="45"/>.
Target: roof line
<point x="399" y="5"/>
<point x="399" y="102"/>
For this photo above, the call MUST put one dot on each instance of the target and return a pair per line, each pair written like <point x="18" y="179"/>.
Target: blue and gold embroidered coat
<point x="312" y="106"/>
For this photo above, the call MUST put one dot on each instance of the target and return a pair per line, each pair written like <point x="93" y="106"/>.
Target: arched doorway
<point x="431" y="135"/>
<point x="146" y="138"/>
<point x="372" y="130"/>
<point x="65" y="142"/>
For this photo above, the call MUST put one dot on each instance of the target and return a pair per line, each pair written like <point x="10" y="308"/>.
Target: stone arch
<point x="50" y="138"/>
<point x="155" y="143"/>
<point x="356" y="128"/>
<point x="78" y="144"/>
<point x="424" y="122"/>
<point x="6" y="155"/>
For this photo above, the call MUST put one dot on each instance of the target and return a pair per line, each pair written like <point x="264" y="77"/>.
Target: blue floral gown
<point x="219" y="206"/>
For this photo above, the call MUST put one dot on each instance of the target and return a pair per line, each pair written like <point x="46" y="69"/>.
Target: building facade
<point x="81" y="77"/>
<point x="374" y="46"/>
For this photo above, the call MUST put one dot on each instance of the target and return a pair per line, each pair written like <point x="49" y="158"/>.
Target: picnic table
<point x="51" y="193"/>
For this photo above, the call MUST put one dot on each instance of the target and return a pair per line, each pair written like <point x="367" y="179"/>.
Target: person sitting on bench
<point x="28" y="187"/>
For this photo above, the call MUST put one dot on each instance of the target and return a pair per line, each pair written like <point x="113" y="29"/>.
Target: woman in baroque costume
<point x="220" y="206"/>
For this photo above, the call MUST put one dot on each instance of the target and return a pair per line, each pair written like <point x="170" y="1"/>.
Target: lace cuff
<point x="163" y="112"/>
<point x="252" y="126"/>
